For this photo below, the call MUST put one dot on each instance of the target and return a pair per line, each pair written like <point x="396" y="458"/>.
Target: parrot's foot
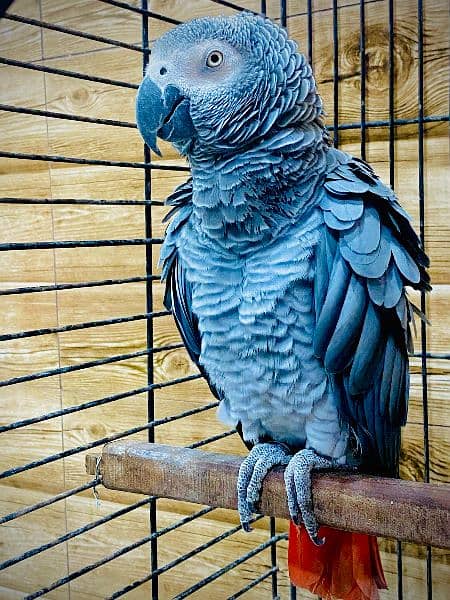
<point x="297" y="477"/>
<point x="254" y="468"/>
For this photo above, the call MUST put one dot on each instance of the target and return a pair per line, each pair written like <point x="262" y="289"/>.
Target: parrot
<point x="286" y="263"/>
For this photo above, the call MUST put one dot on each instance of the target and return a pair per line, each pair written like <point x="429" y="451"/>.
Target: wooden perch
<point x="405" y="510"/>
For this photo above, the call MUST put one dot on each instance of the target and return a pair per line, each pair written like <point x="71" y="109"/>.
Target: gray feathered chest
<point x="255" y="317"/>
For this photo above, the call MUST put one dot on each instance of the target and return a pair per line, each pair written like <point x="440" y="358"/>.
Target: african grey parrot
<point x="285" y="263"/>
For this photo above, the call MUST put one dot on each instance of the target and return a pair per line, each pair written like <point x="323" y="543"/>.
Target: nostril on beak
<point x="162" y="71"/>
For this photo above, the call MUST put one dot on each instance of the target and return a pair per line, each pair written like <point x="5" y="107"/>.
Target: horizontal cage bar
<point x="120" y="552"/>
<point x="89" y="161"/>
<point x="435" y="355"/>
<point x="74" y="32"/>
<point x="105" y="440"/>
<point x="179" y="560"/>
<point x="232" y="565"/>
<point x="326" y="9"/>
<point x="254" y="583"/>
<point x="82" y="201"/>
<point x="77" y="244"/>
<point x="64" y="72"/>
<point x="76" y="286"/>
<point x="67" y="116"/>
<point x="72" y="534"/>
<point x="229" y="4"/>
<point x="67" y="494"/>
<point x="88" y="365"/>
<point x="142" y="11"/>
<point x="78" y="326"/>
<point x="107" y="400"/>
<point x="386" y="123"/>
<point x="213" y="438"/>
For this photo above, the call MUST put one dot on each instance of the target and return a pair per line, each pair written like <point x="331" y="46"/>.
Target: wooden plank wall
<point x="22" y="178"/>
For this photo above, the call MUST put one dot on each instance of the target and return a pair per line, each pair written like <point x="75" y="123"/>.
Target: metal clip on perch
<point x="98" y="479"/>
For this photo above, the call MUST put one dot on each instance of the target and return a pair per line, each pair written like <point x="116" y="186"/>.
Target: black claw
<point x="317" y="541"/>
<point x="253" y="506"/>
<point x="246" y="527"/>
<point x="296" y="519"/>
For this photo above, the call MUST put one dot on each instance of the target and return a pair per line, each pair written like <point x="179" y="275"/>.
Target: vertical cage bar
<point x="149" y="308"/>
<point x="362" y="56"/>
<point x="391" y="101"/>
<point x="292" y="588"/>
<point x="310" y="30"/>
<point x="264" y="7"/>
<point x="283" y="13"/>
<point x="422" y="227"/>
<point x="335" y="76"/>
<point x="391" y="95"/>
<point x="420" y="99"/>
<point x="272" y="520"/>
<point x="292" y="592"/>
<point x="273" y="558"/>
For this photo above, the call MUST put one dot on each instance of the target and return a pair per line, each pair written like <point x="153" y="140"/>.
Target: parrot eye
<point x="215" y="59"/>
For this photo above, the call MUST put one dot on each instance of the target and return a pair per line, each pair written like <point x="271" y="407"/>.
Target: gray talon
<point x="298" y="488"/>
<point x="297" y="477"/>
<point x="253" y="469"/>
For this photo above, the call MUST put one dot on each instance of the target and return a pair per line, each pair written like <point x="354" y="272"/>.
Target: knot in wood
<point x="377" y="58"/>
<point x="80" y="97"/>
<point x="175" y="363"/>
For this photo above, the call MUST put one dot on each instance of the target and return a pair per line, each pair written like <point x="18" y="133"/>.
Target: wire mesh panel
<point x="88" y="352"/>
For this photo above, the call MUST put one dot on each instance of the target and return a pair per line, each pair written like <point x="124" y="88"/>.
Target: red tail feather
<point x="346" y="567"/>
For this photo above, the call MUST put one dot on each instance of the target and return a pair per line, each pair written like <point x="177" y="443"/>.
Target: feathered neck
<point x="250" y="196"/>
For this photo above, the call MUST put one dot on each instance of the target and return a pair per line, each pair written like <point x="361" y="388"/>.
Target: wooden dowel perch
<point x="404" y="510"/>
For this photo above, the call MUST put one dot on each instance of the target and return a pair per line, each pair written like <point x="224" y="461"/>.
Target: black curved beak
<point x="154" y="109"/>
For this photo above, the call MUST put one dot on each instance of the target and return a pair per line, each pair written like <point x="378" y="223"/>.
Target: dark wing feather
<point x="178" y="292"/>
<point x="366" y="256"/>
<point x="178" y="299"/>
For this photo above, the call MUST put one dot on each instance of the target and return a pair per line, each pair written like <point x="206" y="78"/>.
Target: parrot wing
<point x="178" y="292"/>
<point x="367" y="254"/>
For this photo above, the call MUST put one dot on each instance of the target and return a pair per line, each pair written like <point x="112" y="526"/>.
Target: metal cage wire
<point x="149" y="241"/>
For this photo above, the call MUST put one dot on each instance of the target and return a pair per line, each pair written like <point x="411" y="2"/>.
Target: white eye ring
<point x="215" y="59"/>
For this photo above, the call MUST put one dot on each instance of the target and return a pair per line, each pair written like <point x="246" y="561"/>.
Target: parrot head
<point x="219" y="84"/>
